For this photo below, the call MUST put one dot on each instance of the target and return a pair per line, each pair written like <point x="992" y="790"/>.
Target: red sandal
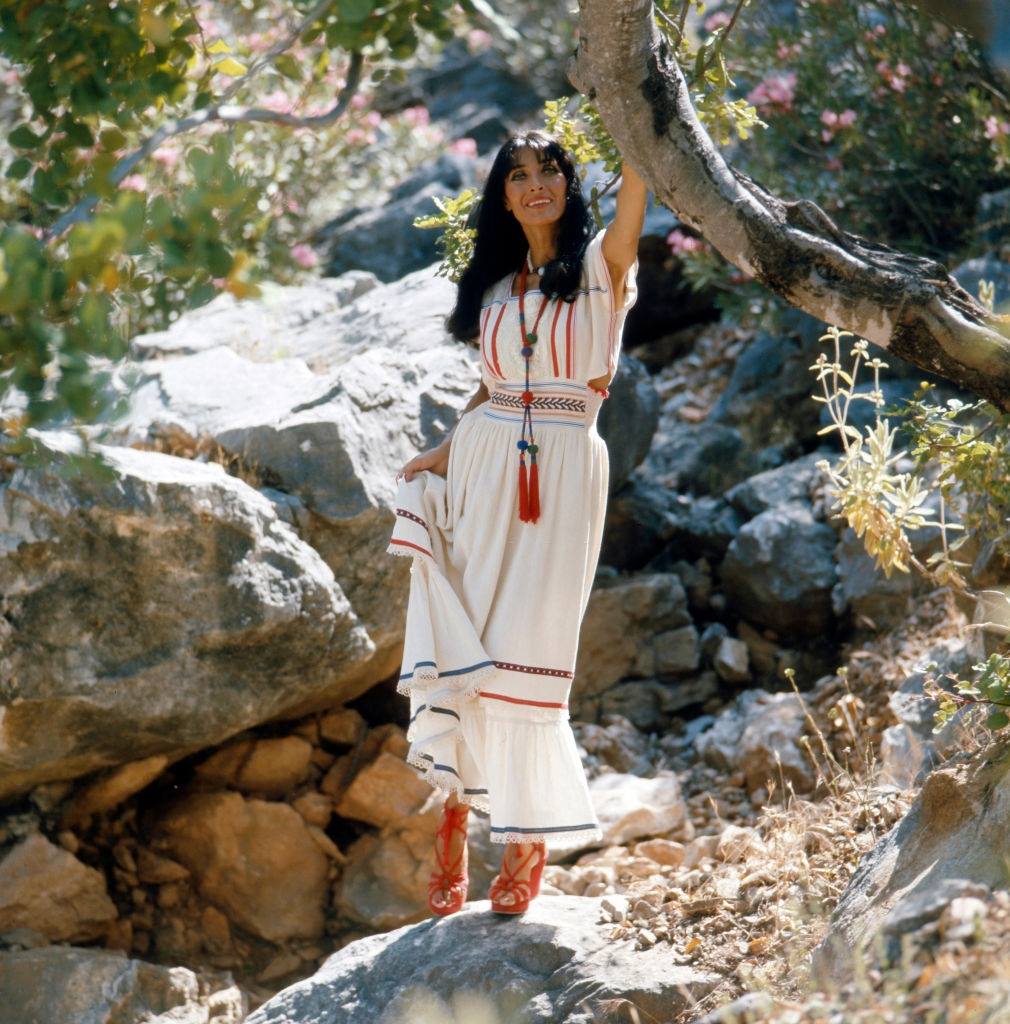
<point x="523" y="891"/>
<point x="450" y="879"/>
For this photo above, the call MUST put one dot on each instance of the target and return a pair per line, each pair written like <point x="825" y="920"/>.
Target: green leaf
<point x="23" y="138"/>
<point x="19" y="168"/>
<point x="219" y="46"/>
<point x="998" y="720"/>
<point x="289" y="67"/>
<point x="355" y="10"/>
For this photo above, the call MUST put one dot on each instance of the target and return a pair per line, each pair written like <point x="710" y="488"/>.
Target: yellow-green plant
<point x="880" y="503"/>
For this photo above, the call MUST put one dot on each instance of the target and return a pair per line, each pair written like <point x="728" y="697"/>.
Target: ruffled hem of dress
<point x="446" y="780"/>
<point x="553" y="840"/>
<point x="456" y="684"/>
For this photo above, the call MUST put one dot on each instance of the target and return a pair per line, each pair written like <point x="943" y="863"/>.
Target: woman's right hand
<point x="436" y="460"/>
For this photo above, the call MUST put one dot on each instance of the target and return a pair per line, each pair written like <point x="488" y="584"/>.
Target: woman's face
<point x="535" y="188"/>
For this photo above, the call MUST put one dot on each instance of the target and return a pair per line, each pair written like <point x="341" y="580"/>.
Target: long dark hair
<point x="500" y="246"/>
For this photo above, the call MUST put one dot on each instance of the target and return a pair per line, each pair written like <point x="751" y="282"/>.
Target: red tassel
<point x="524" y="494"/>
<point x="534" y="500"/>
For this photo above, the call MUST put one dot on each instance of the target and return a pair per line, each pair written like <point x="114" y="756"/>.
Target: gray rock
<point x="759" y="734"/>
<point x="631" y="807"/>
<point x="627" y="419"/>
<point x="731" y="660"/>
<point x="554" y="965"/>
<point x="779" y="486"/>
<point x="614" y="744"/>
<point x="992" y="218"/>
<point x="158" y="609"/>
<point x="750" y="1008"/>
<point x="780" y="569"/>
<point x="700" y="458"/>
<point x="650" y="703"/>
<point x="986" y="268"/>
<point x="950" y="843"/>
<point x="624" y="617"/>
<point x="711" y="637"/>
<point x="719" y="745"/>
<point x="910" y="749"/>
<point x="64" y="984"/>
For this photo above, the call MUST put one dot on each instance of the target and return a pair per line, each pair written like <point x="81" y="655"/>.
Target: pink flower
<point x="681" y="243"/>
<point x="464" y="146"/>
<point x="373" y="119"/>
<point x="9" y="77"/>
<point x="304" y="255"/>
<point x="785" y="52"/>
<point x="219" y="282"/>
<point x="847" y="118"/>
<point x="777" y="90"/>
<point x="903" y="69"/>
<point x="896" y="79"/>
<point x="166" y="156"/>
<point x="477" y="40"/>
<point x="358" y="101"/>
<point x="134" y="182"/>
<point x="278" y="101"/>
<point x="359" y="137"/>
<point x="830" y="118"/>
<point x="292" y="205"/>
<point x="718" y="20"/>
<point x="994" y="128"/>
<point x="418" y="116"/>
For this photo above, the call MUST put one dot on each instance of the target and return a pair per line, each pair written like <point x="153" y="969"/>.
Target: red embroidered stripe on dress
<point x="494" y="343"/>
<point x="407" y="544"/>
<point x="568" y="341"/>
<point x="517" y="700"/>
<point x="554" y="349"/>
<point x="483" y="337"/>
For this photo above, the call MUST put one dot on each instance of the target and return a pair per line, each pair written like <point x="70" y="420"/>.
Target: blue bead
<point x="522" y="445"/>
<point x="526" y="351"/>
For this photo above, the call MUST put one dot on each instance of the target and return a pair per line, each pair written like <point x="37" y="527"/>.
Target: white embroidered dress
<point x="495" y="604"/>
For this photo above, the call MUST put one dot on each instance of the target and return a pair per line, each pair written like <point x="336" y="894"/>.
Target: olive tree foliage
<point x="149" y="165"/>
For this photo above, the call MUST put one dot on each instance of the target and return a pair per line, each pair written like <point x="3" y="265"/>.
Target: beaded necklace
<point x="529" y="488"/>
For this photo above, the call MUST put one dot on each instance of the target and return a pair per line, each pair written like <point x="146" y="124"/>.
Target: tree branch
<point x="907" y="304"/>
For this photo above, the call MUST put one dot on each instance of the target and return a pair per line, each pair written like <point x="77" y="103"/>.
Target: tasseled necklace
<point x="529" y="487"/>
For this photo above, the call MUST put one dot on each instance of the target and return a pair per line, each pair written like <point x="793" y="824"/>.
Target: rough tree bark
<point x="906" y="304"/>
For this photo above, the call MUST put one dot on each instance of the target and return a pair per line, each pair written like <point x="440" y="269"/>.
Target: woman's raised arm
<point x="620" y="240"/>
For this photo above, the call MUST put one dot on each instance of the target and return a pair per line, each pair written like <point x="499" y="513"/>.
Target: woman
<point x="504" y="520"/>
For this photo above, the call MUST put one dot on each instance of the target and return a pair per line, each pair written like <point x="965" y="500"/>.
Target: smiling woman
<point x="504" y="520"/>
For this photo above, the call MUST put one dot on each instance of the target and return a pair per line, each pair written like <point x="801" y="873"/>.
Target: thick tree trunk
<point x="907" y="304"/>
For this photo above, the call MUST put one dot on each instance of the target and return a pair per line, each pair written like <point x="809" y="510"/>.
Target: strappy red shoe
<point x="449" y="878"/>
<point x="523" y="891"/>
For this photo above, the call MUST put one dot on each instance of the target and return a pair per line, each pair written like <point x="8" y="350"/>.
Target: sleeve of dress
<point x="606" y="319"/>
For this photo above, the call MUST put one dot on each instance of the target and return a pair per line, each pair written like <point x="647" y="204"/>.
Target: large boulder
<point x="64" y="984"/>
<point x="627" y="420"/>
<point x="780" y="569"/>
<point x="158" y="608"/>
<point x="951" y="843"/>
<point x="554" y="965"/>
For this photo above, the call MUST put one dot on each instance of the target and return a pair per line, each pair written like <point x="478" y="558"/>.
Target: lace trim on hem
<point x="554" y="840"/>
<point x="465" y="685"/>
<point x="442" y="779"/>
